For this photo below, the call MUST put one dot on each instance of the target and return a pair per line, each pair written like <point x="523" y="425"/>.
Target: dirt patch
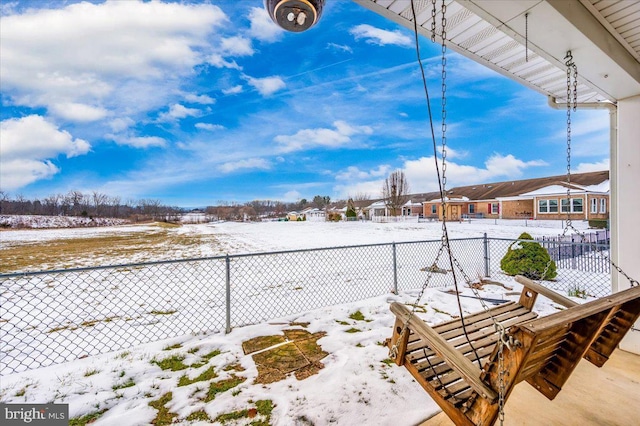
<point x="296" y="352"/>
<point x="123" y="247"/>
<point x="259" y="343"/>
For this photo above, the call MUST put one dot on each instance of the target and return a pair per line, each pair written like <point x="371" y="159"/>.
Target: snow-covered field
<point x="356" y="385"/>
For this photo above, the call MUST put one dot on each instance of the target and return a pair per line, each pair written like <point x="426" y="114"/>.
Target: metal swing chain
<point x="444" y="110"/>
<point x="433" y="20"/>
<point x="503" y="340"/>
<point x="393" y="351"/>
<point x="501" y="386"/>
<point x="526" y="37"/>
<point x="445" y="239"/>
<point x="572" y="104"/>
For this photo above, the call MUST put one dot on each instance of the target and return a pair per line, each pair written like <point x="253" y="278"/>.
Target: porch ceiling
<point x="603" y="36"/>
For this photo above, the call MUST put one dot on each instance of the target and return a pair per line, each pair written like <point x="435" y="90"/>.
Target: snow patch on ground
<point x="42" y="222"/>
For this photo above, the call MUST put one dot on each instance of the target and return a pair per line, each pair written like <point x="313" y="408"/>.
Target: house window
<point x="594" y="205"/>
<point x="574" y="205"/>
<point x="434" y="209"/>
<point x="543" y="206"/>
<point x="472" y="208"/>
<point x="603" y="205"/>
<point x="547" y="206"/>
<point x="495" y="208"/>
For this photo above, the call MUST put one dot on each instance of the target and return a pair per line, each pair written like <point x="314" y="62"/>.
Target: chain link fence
<point x="583" y="269"/>
<point x="56" y="316"/>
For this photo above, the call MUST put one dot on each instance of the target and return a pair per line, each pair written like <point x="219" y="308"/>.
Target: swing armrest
<point x="458" y="362"/>
<point x="546" y="292"/>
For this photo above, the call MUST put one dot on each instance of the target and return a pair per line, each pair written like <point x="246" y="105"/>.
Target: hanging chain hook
<point x="526" y="37"/>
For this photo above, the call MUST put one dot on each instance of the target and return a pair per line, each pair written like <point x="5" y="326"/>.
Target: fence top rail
<point x="553" y="242"/>
<point x="209" y="258"/>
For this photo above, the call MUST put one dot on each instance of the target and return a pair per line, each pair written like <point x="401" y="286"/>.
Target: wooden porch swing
<point x="466" y="377"/>
<point x="470" y="365"/>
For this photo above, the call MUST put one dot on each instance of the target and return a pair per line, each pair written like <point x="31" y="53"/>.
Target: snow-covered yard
<point x="356" y="386"/>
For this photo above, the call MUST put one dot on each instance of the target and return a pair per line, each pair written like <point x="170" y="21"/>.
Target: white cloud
<point x="593" y="167"/>
<point x="452" y="153"/>
<point x="93" y="57"/>
<point x="139" y="141"/>
<point x="587" y="122"/>
<point x="218" y="61"/>
<point x="422" y="177"/>
<point x="199" y="99"/>
<point x="266" y="86"/>
<point x="78" y="112"/>
<point x="291" y="196"/>
<point x="233" y="90"/>
<point x="251" y="163"/>
<point x="28" y="145"/>
<point x="236" y="46"/>
<point x="340" y="47"/>
<point x="177" y="112"/>
<point x="330" y="138"/>
<point x="370" y="188"/>
<point x="421" y="174"/>
<point x="121" y="124"/>
<point x="380" y="37"/>
<point x="262" y="27"/>
<point x="354" y="173"/>
<point x="352" y="181"/>
<point x="210" y="127"/>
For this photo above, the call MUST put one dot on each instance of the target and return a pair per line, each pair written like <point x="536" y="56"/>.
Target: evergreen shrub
<point x="528" y="258"/>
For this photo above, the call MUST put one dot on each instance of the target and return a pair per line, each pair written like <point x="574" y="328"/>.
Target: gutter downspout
<point x="613" y="166"/>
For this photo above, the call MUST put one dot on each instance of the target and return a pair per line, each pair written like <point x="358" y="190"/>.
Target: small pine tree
<point x="528" y="258"/>
<point x="351" y="209"/>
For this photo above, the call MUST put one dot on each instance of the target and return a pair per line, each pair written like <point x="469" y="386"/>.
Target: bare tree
<point x="320" y="201"/>
<point x="361" y="196"/>
<point x="114" y="203"/>
<point x="76" y="202"/>
<point x="99" y="201"/>
<point x="395" y="191"/>
<point x="51" y="204"/>
<point x="4" y="201"/>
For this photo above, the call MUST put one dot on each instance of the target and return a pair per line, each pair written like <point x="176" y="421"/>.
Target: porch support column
<point x="625" y="203"/>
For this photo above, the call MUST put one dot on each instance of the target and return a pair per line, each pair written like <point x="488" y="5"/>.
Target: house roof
<point x="491" y="191"/>
<point x="591" y="182"/>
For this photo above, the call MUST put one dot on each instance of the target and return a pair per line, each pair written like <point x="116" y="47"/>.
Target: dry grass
<point x="119" y="248"/>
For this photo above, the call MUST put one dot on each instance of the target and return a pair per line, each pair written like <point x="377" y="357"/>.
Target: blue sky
<point x="192" y="103"/>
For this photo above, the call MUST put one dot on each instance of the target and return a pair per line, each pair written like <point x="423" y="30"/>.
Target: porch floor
<point x="592" y="396"/>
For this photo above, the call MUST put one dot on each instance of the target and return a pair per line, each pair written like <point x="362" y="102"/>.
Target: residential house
<point x="414" y="206"/>
<point x="313" y="214"/>
<point x="539" y="198"/>
<point x="293" y="216"/>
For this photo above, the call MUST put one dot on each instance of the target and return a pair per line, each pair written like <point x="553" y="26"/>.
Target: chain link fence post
<point x="228" y="293"/>
<point x="486" y="256"/>
<point x="395" y="268"/>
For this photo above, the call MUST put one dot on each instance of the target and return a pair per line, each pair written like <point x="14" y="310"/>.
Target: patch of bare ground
<point x="160" y="242"/>
<point x="278" y="356"/>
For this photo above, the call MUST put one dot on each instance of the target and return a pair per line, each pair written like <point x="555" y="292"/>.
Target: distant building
<point x="540" y="198"/>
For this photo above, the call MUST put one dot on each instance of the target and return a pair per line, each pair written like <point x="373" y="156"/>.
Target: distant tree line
<point x="97" y="204"/>
<point x="94" y="204"/>
<point x="259" y="209"/>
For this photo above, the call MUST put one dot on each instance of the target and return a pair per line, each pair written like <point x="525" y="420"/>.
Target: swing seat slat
<point x="463" y="377"/>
